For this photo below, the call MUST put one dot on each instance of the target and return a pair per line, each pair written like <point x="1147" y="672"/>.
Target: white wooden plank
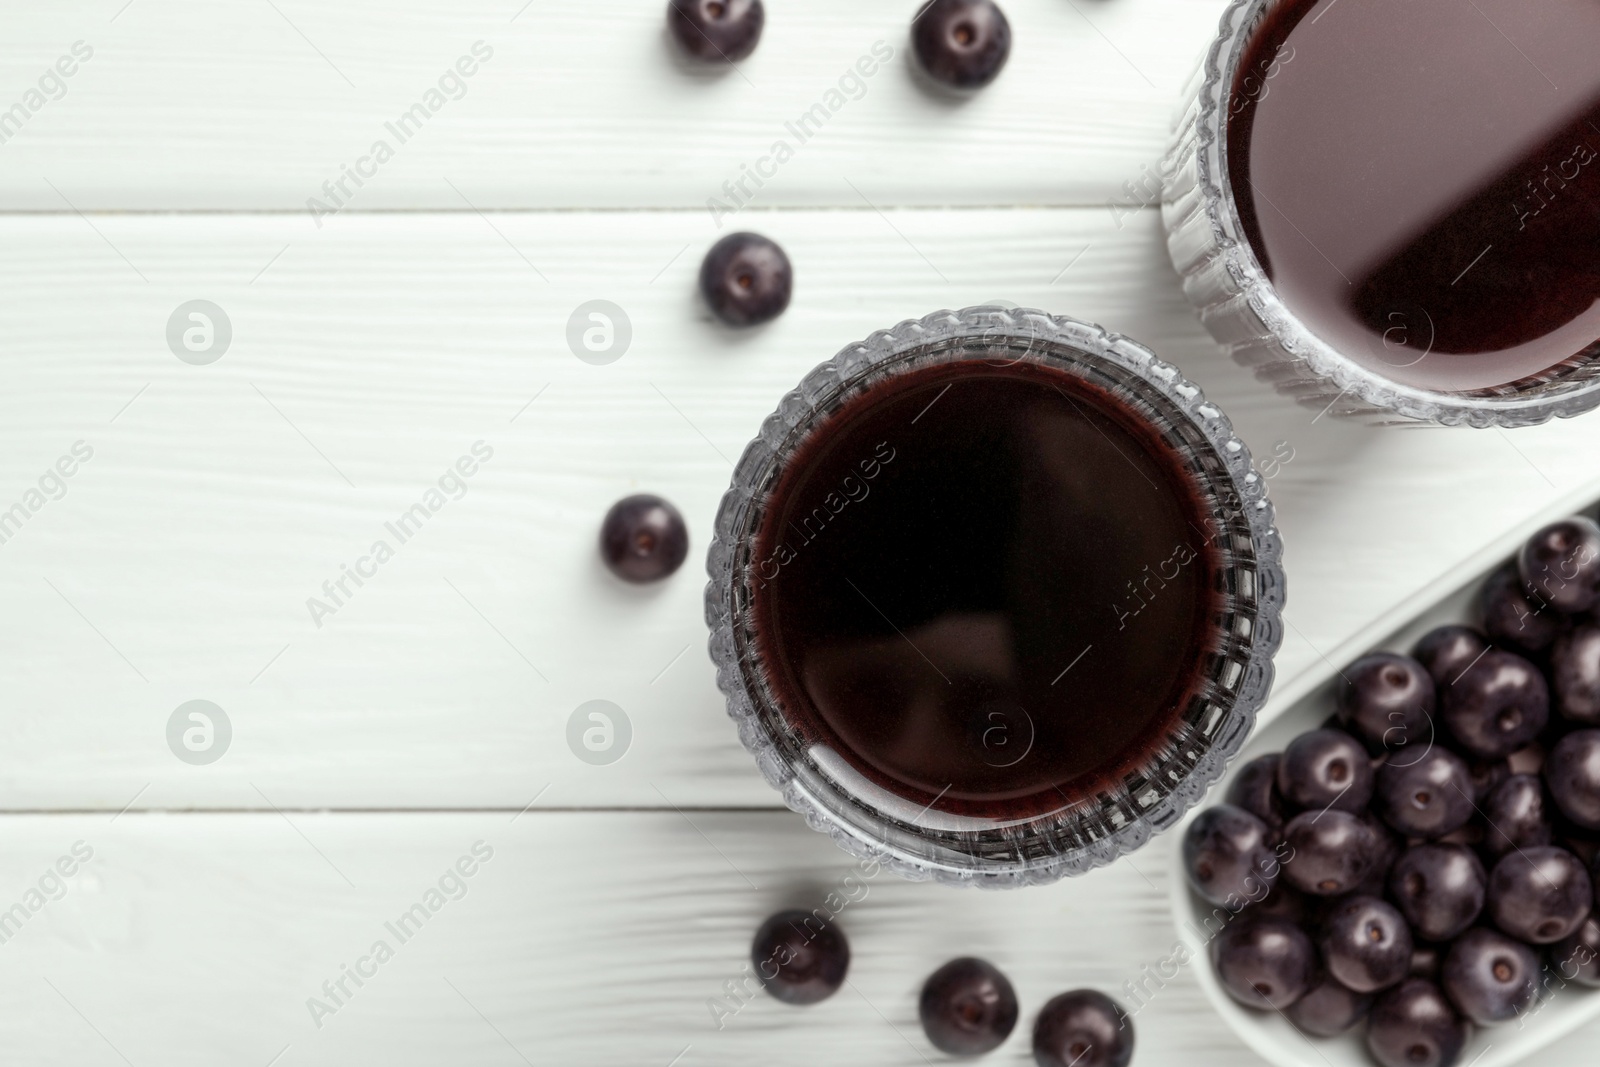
<point x="179" y="564"/>
<point x="370" y="353"/>
<point x="584" y="938"/>
<point x="186" y="104"/>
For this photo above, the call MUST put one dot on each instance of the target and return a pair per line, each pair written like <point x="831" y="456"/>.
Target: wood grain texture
<point x="371" y="352"/>
<point x="366" y="360"/>
<point x="254" y="106"/>
<point x="588" y="938"/>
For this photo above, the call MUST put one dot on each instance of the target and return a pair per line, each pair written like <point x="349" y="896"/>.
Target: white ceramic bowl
<point x="1308" y="706"/>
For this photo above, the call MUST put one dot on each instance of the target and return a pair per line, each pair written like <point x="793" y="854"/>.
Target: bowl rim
<point x="1309" y="700"/>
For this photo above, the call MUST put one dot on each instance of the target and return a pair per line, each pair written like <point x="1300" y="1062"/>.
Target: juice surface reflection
<point x="989" y="585"/>
<point x="1421" y="181"/>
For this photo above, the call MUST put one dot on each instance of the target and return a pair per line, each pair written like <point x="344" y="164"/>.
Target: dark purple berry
<point x="1328" y="1008"/>
<point x="1425" y="962"/>
<point x="1082" y="1029"/>
<point x="1446" y="651"/>
<point x="1440" y="889"/>
<point x="1489" y="977"/>
<point x="716" y="29"/>
<point x="799" y="958"/>
<point x="1414" y="1025"/>
<point x="1366" y="944"/>
<point x="1575" y="675"/>
<point x="1330" y="852"/>
<point x="1255" y="789"/>
<point x="961" y="43"/>
<point x="1540" y="895"/>
<point x="1326" y="769"/>
<point x="1515" y="816"/>
<point x="1387" y="701"/>
<point x="1427" y="798"/>
<point x="967" y="1007"/>
<point x="1576" y="957"/>
<point x="1572" y="771"/>
<point x="1264" y="963"/>
<point x="1560" y="565"/>
<point x="1497" y="706"/>
<point x="1227" y="855"/>
<point x="1510" y="617"/>
<point x="643" y="539"/>
<point x="746" y="280"/>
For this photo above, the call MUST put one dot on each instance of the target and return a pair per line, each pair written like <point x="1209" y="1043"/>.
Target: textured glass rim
<point x="1041" y="850"/>
<point x="1289" y="346"/>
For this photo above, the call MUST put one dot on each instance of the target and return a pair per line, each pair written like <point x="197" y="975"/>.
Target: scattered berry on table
<point x="643" y="539"/>
<point x="967" y="1007"/>
<point x="746" y="280"/>
<point x="799" y="958"/>
<point x="961" y="43"/>
<point x="1083" y="1028"/>
<point x="716" y="30"/>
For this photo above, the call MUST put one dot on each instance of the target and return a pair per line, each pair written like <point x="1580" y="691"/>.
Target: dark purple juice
<point x="1421" y="181"/>
<point x="988" y="587"/>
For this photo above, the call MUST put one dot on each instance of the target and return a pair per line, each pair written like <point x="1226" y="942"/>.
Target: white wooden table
<point x="427" y="715"/>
